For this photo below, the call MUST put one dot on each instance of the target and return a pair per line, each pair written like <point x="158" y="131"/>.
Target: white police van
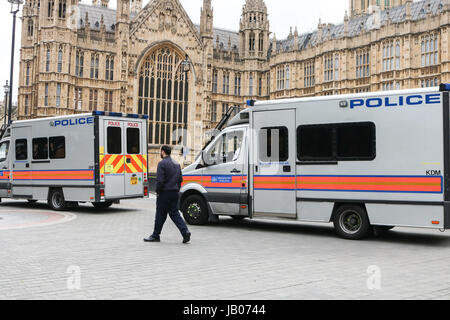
<point x="100" y="157"/>
<point x="365" y="162"/>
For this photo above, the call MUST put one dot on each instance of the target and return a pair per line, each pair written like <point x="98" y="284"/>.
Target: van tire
<point x="351" y="222"/>
<point x="194" y="210"/>
<point x="56" y="200"/>
<point x="102" y="205"/>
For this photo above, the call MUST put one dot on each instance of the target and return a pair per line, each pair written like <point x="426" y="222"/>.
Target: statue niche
<point x="168" y="18"/>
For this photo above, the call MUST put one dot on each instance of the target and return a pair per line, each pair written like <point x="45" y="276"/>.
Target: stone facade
<point x="76" y="58"/>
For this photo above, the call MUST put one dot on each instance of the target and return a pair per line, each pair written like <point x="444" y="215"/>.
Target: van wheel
<point x="194" y="210"/>
<point x="56" y="200"/>
<point x="102" y="205"/>
<point x="351" y="222"/>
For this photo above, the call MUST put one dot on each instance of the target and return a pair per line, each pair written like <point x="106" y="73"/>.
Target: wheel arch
<point x="191" y="192"/>
<point x="337" y="205"/>
<point x="51" y="189"/>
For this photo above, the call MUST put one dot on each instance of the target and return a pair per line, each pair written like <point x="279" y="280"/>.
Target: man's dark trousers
<point x="167" y="203"/>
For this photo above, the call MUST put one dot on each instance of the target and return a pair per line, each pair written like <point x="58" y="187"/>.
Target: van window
<point x="356" y="141"/>
<point x="274" y="144"/>
<point x="4" y="148"/>
<point x="315" y="142"/>
<point x="57" y="147"/>
<point x="212" y="156"/>
<point x="114" y="143"/>
<point x="133" y="141"/>
<point x="337" y="142"/>
<point x="231" y="147"/>
<point x="40" y="148"/>
<point x="21" y="149"/>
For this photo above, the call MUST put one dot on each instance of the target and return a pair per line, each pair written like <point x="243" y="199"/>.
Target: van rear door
<point x="112" y="159"/>
<point x="274" y="168"/>
<point x="135" y="158"/>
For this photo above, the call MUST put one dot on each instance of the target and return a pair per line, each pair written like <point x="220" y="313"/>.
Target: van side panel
<point x="407" y="183"/>
<point x="405" y="215"/>
<point x="71" y="167"/>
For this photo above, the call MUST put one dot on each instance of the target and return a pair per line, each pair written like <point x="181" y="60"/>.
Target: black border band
<point x="446" y="116"/>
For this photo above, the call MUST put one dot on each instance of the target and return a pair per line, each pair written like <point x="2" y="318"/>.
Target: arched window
<point x="79" y="64"/>
<point x="109" y="73"/>
<point x="251" y="44"/>
<point x="27" y="75"/>
<point x="397" y="55"/>
<point x="47" y="62"/>
<point x="261" y="42"/>
<point x="30" y="28"/>
<point x="163" y="95"/>
<point x="60" y="56"/>
<point x="51" y="7"/>
<point x="62" y="9"/>
<point x="94" y="66"/>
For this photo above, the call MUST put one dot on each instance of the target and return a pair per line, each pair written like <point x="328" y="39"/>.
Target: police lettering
<point x="413" y="100"/>
<point x="73" y="122"/>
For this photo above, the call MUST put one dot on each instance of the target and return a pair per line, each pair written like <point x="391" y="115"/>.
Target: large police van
<point x="365" y="162"/>
<point x="99" y="158"/>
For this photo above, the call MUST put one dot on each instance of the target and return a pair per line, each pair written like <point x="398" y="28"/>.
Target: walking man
<point x="168" y="184"/>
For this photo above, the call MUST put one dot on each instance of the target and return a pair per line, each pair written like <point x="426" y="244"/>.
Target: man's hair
<point x="167" y="150"/>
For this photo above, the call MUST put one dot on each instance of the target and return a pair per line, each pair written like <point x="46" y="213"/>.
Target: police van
<point x="99" y="158"/>
<point x="365" y="162"/>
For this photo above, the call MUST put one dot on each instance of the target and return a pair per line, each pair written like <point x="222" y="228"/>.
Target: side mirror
<point x="202" y="162"/>
<point x="207" y="161"/>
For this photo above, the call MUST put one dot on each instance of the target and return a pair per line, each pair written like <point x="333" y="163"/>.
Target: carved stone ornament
<point x="167" y="18"/>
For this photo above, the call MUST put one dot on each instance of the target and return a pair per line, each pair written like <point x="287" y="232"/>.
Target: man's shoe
<point x="152" y="239"/>
<point x="186" y="237"/>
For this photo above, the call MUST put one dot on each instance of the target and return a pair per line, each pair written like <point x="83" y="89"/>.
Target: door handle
<point x="235" y="171"/>
<point x="27" y="165"/>
<point x="4" y="168"/>
<point x="287" y="169"/>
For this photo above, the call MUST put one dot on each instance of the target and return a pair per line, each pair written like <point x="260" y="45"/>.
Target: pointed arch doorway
<point x="163" y="95"/>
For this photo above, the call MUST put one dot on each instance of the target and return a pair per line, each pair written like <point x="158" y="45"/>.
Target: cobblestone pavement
<point x="101" y="255"/>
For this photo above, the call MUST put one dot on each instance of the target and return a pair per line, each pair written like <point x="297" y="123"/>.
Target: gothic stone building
<point x="77" y="58"/>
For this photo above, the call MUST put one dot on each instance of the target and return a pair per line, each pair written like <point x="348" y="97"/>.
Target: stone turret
<point x="206" y="20"/>
<point x="136" y="6"/>
<point x="254" y="30"/>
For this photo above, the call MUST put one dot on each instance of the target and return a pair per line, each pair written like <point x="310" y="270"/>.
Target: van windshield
<point x="4" y="148"/>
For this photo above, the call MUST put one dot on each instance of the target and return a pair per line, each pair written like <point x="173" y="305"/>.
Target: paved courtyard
<point x="91" y="254"/>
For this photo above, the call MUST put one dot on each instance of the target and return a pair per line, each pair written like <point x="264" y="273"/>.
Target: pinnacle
<point x="256" y="5"/>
